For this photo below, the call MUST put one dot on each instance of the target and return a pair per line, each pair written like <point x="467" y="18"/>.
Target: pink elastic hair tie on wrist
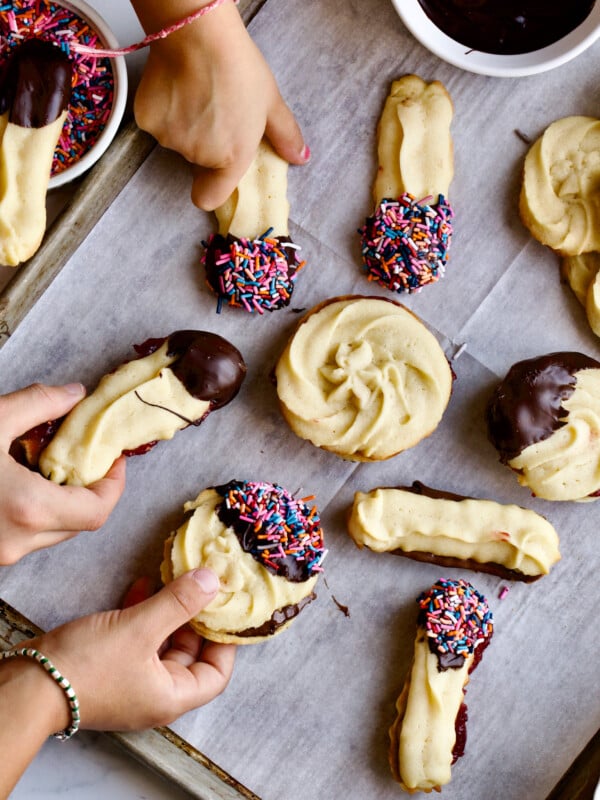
<point x="152" y="37"/>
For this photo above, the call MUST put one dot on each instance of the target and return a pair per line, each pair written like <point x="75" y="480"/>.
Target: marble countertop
<point x="90" y="766"/>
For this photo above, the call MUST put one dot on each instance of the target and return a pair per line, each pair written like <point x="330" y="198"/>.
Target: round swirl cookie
<point x="267" y="549"/>
<point x="544" y="420"/>
<point x="558" y="202"/>
<point x="363" y="378"/>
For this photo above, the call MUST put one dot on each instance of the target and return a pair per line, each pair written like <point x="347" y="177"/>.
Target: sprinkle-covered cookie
<point x="265" y="545"/>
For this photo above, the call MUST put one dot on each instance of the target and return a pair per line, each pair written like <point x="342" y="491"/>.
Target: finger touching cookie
<point x="267" y="549"/>
<point x="177" y="383"/>
<point x="252" y="263"/>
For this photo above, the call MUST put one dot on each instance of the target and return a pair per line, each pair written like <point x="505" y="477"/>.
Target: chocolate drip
<point x="35" y="85"/>
<point x="527" y="405"/>
<point x="507" y="27"/>
<point x="209" y="366"/>
<point x="279" y="618"/>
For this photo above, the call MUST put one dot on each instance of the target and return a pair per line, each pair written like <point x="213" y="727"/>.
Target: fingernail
<point x="305" y="154"/>
<point x="207" y="580"/>
<point x="77" y="389"/>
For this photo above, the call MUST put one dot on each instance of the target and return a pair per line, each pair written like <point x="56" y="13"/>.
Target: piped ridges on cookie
<point x="281" y="533"/>
<point x="405" y="244"/>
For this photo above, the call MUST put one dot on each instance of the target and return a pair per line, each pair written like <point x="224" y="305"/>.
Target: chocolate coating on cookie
<point x="278" y="619"/>
<point x="281" y="533"/>
<point x="526" y="407"/>
<point x="36" y="84"/>
<point x="209" y="367"/>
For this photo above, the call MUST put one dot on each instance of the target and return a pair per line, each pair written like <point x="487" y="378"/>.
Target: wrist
<point x="154" y="15"/>
<point x="33" y="699"/>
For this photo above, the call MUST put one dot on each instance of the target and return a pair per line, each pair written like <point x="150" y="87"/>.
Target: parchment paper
<point x="306" y="714"/>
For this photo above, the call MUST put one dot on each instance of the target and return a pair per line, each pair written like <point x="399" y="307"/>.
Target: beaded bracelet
<point x="152" y="37"/>
<point x="30" y="652"/>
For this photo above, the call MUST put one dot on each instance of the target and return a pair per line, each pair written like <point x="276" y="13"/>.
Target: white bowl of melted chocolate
<point x="510" y="38"/>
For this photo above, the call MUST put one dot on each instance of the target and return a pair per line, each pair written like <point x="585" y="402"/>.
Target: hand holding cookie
<point x="212" y="102"/>
<point x="251" y="262"/>
<point x="35" y="513"/>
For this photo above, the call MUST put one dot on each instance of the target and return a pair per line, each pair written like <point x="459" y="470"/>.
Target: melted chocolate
<point x="35" y="85"/>
<point x="527" y="405"/>
<point x="279" y="618"/>
<point x="460" y="726"/>
<point x="506" y="26"/>
<point x="209" y="366"/>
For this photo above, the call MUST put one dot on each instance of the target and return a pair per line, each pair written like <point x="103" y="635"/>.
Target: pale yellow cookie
<point x="579" y="272"/>
<point x="363" y="377"/>
<point x="414" y="145"/>
<point x="454" y="622"/>
<point x="260" y="200"/>
<point x="143" y="401"/>
<point x="256" y="599"/>
<point x="25" y="164"/>
<point x="560" y="202"/>
<point x="508" y="540"/>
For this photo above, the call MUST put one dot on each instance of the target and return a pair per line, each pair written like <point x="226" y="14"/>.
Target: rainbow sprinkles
<point x="93" y="78"/>
<point x="405" y="243"/>
<point x="282" y="533"/>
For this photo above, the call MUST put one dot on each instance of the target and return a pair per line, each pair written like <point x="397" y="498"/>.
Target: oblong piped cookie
<point x="454" y="531"/>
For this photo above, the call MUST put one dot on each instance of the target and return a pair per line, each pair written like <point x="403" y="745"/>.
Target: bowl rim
<point x="497" y="65"/>
<point x="119" y="68"/>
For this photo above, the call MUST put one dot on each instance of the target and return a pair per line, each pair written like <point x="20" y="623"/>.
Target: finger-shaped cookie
<point x="363" y="377"/>
<point x="181" y="380"/>
<point x="559" y="201"/>
<point x="267" y="549"/>
<point x="34" y="95"/>
<point x="454" y="531"/>
<point x="453" y="628"/>
<point x="405" y="243"/>
<point x="544" y="420"/>
<point x="251" y="262"/>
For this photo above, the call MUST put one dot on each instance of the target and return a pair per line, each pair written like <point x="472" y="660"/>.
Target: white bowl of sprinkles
<point x="99" y="91"/>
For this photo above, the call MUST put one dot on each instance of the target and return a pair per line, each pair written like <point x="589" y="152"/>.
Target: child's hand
<point x="34" y="512"/>
<point x="126" y="677"/>
<point x="208" y="93"/>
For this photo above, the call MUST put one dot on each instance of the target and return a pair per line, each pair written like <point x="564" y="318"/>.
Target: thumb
<point x="285" y="135"/>
<point x="26" y="408"/>
<point x="175" y="604"/>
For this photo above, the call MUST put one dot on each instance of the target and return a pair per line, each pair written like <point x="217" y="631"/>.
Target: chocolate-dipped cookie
<point x="35" y="88"/>
<point x="177" y="382"/>
<point x="267" y="549"/>
<point x="453" y="628"/>
<point x="454" y="531"/>
<point x="544" y="420"/>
